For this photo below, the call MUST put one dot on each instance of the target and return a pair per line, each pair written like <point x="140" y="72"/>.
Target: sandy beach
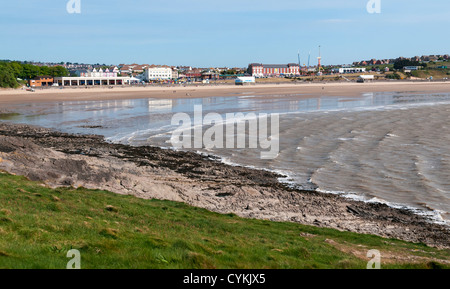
<point x="193" y="91"/>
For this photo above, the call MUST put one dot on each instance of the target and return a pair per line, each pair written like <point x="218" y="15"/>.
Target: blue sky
<point x="221" y="33"/>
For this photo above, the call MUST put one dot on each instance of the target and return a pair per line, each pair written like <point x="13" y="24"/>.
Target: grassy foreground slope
<point x="39" y="225"/>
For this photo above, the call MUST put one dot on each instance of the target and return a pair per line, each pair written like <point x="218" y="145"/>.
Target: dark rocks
<point x="7" y="148"/>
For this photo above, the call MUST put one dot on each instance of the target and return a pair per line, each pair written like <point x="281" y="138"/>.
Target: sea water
<point x="379" y="147"/>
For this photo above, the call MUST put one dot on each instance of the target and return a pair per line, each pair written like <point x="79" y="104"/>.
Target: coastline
<point x="296" y="90"/>
<point x="60" y="159"/>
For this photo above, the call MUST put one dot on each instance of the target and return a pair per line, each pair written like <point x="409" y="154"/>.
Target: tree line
<point x="400" y="64"/>
<point x="10" y="72"/>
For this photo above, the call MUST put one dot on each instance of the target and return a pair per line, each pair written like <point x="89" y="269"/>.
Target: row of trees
<point x="7" y="78"/>
<point x="11" y="71"/>
<point x="402" y="63"/>
<point x="230" y="72"/>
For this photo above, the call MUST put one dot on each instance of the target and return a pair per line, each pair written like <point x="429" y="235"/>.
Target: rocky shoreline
<point x="60" y="159"/>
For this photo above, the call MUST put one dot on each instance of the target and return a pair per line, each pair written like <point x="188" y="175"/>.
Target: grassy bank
<point x="435" y="73"/>
<point x="39" y="225"/>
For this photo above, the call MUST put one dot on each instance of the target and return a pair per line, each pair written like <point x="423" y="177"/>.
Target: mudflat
<point x="59" y="159"/>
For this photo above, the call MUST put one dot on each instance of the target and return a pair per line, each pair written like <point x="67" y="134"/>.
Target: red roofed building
<point x="263" y="70"/>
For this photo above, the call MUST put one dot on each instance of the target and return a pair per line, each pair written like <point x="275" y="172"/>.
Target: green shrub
<point x="393" y="76"/>
<point x="7" y="78"/>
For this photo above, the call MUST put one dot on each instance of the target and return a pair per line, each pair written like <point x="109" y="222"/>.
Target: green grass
<point x="8" y="116"/>
<point x="39" y="225"/>
<point x="435" y="73"/>
<point x="434" y="65"/>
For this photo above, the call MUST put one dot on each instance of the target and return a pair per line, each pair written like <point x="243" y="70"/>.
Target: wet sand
<point x="194" y="91"/>
<point x="60" y="159"/>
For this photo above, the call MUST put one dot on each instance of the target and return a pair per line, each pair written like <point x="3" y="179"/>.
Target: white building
<point x="91" y="81"/>
<point x="158" y="73"/>
<point x="412" y="68"/>
<point x="364" y="78"/>
<point x="245" y="80"/>
<point x="105" y="74"/>
<point x="344" y="70"/>
<point x="175" y="74"/>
